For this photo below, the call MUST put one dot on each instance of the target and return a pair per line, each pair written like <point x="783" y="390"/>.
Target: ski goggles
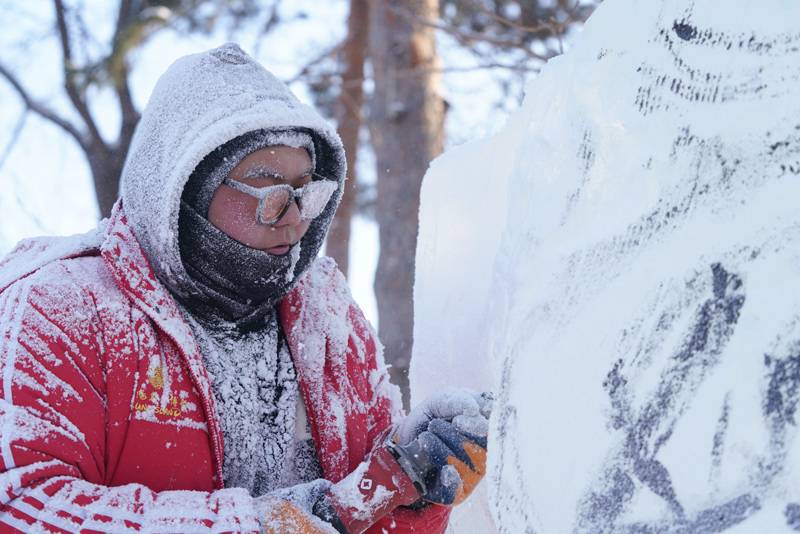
<point x="274" y="200"/>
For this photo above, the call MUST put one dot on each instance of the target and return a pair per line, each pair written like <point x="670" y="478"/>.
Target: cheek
<point x="233" y="214"/>
<point x="301" y="230"/>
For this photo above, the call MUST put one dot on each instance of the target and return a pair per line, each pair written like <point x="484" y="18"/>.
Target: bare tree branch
<point x="538" y="28"/>
<point x="15" y="135"/>
<point x="336" y="78"/>
<point x="73" y="92"/>
<point x="469" y="38"/>
<point x="120" y="73"/>
<point x="272" y="20"/>
<point x="42" y="110"/>
<point x="306" y="70"/>
<point x="28" y="211"/>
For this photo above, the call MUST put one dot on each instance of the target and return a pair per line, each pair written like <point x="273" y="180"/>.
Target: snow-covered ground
<point x="621" y="265"/>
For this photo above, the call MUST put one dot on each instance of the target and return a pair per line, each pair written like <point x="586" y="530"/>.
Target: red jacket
<point x="108" y="420"/>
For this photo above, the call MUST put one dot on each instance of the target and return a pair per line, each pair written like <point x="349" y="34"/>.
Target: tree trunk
<point x="106" y="166"/>
<point x="349" y="119"/>
<point x="407" y="127"/>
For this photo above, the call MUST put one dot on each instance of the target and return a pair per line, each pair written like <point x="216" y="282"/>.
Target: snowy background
<point x="622" y="267"/>
<point x="45" y="184"/>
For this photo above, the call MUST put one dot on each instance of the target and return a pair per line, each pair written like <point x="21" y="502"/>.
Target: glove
<point x="386" y="480"/>
<point x="375" y="488"/>
<point x="446" y="461"/>
<point x="289" y="509"/>
<point x="442" y="445"/>
<point x="467" y="407"/>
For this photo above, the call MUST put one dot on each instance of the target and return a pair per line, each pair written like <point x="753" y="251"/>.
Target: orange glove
<point x="446" y="461"/>
<point x="283" y="516"/>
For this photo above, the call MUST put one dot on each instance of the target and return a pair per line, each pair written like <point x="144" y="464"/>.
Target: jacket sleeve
<point x="385" y="410"/>
<point x="53" y="434"/>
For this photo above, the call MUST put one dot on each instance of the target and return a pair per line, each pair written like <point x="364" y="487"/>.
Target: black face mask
<point x="233" y="282"/>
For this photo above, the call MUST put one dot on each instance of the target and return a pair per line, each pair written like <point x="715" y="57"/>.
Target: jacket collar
<point x="135" y="278"/>
<point x="31" y="254"/>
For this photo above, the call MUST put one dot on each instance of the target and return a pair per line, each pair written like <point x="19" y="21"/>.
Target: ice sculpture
<point x="623" y="268"/>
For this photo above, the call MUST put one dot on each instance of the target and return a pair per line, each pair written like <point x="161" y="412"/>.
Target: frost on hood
<point x="644" y="281"/>
<point x="201" y="102"/>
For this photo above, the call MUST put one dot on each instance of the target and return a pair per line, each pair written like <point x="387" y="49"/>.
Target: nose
<point x="291" y="217"/>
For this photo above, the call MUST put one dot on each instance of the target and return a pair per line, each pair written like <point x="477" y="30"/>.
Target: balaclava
<point x="234" y="282"/>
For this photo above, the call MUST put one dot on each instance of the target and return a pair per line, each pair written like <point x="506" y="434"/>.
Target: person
<point x="191" y="365"/>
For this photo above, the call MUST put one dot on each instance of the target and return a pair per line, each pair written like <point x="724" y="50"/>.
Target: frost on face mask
<point x="643" y="325"/>
<point x="295" y="256"/>
<point x="256" y="389"/>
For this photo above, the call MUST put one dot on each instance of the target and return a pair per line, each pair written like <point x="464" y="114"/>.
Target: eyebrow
<point x="266" y="172"/>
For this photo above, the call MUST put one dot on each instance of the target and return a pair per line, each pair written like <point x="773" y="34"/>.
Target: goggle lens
<point x="274" y="205"/>
<point x="313" y="198"/>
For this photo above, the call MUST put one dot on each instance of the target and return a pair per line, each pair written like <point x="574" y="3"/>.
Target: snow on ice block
<point x="635" y="293"/>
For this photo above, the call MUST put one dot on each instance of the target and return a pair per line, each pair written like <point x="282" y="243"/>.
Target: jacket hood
<point x="201" y="102"/>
